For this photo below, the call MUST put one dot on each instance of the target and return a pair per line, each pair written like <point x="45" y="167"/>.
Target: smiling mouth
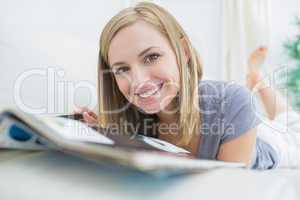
<point x="150" y="92"/>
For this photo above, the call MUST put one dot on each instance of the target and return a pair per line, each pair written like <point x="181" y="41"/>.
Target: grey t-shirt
<point x="227" y="112"/>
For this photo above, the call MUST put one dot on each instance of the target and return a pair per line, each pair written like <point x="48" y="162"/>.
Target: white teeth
<point x="149" y="93"/>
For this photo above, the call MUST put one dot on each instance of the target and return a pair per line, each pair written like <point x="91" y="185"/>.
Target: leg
<point x="273" y="103"/>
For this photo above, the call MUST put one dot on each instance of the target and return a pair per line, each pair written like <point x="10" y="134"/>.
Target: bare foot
<point x="255" y="62"/>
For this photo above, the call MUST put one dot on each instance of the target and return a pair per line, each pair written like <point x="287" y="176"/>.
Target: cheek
<point x="169" y="70"/>
<point x="124" y="87"/>
<point x="174" y="70"/>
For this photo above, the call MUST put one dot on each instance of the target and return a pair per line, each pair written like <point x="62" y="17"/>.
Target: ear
<point x="185" y="48"/>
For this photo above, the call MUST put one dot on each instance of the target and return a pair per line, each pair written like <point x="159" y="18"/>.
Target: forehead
<point x="133" y="39"/>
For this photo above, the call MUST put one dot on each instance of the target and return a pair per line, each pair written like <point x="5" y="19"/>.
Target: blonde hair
<point x="109" y="96"/>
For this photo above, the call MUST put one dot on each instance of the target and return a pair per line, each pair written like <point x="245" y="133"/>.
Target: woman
<point x="149" y="71"/>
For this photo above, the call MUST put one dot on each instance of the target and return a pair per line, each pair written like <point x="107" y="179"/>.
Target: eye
<point x="120" y="70"/>
<point x="151" y="58"/>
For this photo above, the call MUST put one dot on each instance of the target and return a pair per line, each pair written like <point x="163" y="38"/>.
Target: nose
<point x="139" y="76"/>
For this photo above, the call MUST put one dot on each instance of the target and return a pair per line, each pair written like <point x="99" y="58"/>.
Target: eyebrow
<point x="139" y="55"/>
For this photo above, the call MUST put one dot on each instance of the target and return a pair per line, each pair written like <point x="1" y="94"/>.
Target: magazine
<point x="19" y="130"/>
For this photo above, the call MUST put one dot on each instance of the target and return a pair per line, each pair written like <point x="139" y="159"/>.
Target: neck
<point x="168" y="115"/>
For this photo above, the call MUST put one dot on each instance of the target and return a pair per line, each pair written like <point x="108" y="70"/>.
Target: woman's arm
<point x="238" y="149"/>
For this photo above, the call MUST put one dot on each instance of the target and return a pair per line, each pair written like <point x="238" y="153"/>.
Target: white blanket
<point x="49" y="175"/>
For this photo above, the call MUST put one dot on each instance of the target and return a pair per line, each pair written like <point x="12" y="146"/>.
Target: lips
<point x="149" y="89"/>
<point x="151" y="92"/>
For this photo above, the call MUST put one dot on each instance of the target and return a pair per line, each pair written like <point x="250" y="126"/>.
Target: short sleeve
<point x="239" y="112"/>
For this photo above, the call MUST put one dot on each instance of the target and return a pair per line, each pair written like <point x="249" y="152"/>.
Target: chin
<point x="150" y="111"/>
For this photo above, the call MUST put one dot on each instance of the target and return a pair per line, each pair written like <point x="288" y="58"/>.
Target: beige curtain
<point x="245" y="26"/>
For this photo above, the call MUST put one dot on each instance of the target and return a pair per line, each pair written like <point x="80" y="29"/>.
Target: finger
<point x="93" y="114"/>
<point x="88" y="118"/>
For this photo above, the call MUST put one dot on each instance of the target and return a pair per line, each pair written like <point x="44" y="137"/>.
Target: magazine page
<point x="15" y="135"/>
<point x="74" y="137"/>
<point x="78" y="131"/>
<point x="19" y="134"/>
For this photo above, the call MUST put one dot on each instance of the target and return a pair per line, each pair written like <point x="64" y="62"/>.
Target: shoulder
<point x="220" y="89"/>
<point x="220" y="93"/>
<point x="226" y="103"/>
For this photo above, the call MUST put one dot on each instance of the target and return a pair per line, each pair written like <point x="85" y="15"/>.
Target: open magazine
<point x="19" y="130"/>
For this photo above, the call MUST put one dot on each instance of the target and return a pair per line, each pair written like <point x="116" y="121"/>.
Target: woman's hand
<point x="89" y="116"/>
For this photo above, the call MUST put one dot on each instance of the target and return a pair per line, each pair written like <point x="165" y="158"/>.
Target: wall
<point x="42" y="42"/>
<point x="59" y="40"/>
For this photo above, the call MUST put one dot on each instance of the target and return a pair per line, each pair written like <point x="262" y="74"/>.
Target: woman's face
<point x="144" y="66"/>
